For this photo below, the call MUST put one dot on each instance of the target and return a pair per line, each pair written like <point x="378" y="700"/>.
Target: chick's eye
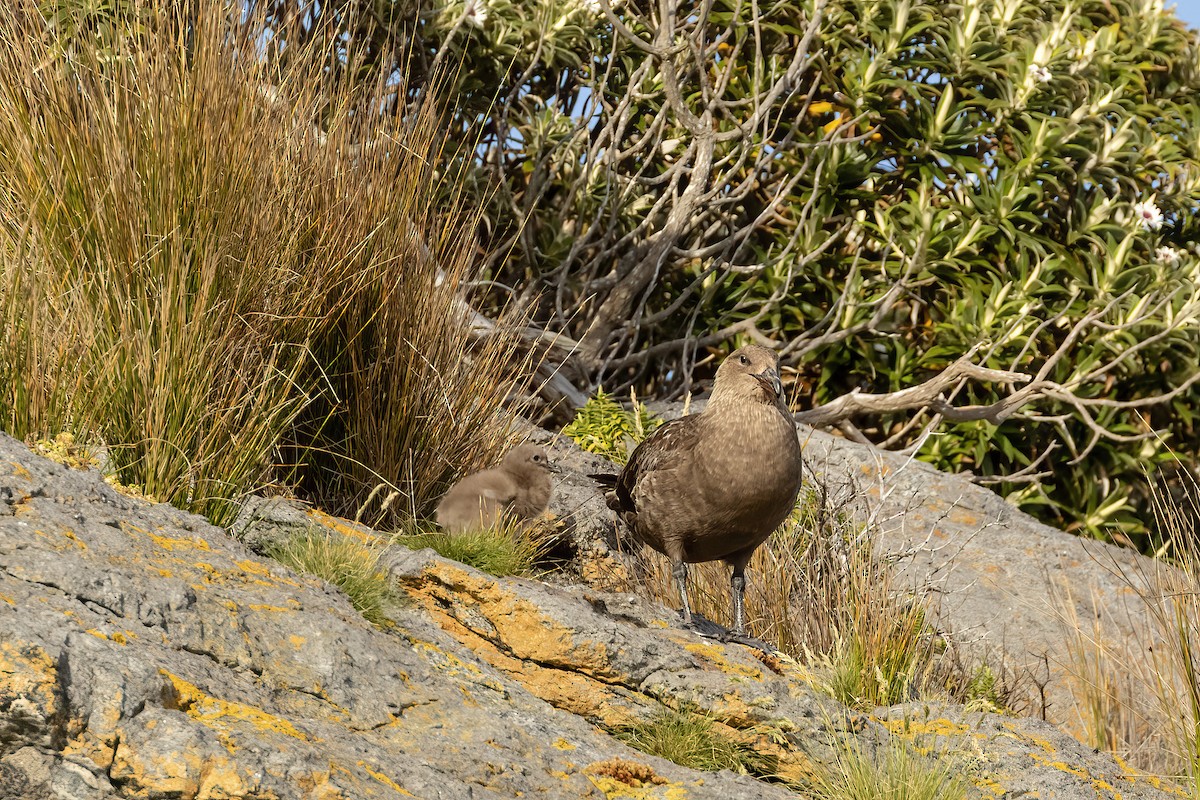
<point x="743" y="360"/>
<point x="537" y="458"/>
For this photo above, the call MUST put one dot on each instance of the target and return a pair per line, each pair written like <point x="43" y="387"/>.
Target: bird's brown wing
<point x="667" y="444"/>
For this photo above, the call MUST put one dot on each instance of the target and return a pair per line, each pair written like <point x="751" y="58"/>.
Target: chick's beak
<point x="555" y="468"/>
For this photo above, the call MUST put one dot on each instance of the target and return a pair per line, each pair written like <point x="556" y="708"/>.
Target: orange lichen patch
<point x="344" y="527"/>
<point x="254" y="568"/>
<point x="277" y="609"/>
<point x="19" y="471"/>
<point x="385" y="780"/>
<point x="171" y="542"/>
<point x="217" y="713"/>
<point x="630" y="773"/>
<point x="297" y="641"/>
<point x="82" y="545"/>
<point x="28" y="673"/>
<point x="1027" y="737"/>
<point x="454" y="666"/>
<point x="5" y="598"/>
<point x="177" y="775"/>
<point x="563" y="744"/>
<point x="261" y="575"/>
<point x="714" y="655"/>
<point x="937" y="726"/>
<point x="520" y="626"/>
<point x="962" y="517"/>
<point x="562" y="689"/>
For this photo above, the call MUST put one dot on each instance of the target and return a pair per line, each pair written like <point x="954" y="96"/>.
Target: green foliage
<point x="693" y="740"/>
<point x="351" y="566"/>
<point x="983" y="690"/>
<point x="604" y="427"/>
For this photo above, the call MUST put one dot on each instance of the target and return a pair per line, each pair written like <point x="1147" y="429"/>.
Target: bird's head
<point x="750" y="372"/>
<point x="527" y="458"/>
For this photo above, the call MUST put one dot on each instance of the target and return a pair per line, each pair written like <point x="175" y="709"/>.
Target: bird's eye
<point x="537" y="458"/>
<point x="743" y="360"/>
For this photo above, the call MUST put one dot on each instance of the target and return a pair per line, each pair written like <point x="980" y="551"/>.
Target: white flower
<point x="1040" y="73"/>
<point x="1168" y="256"/>
<point x="1148" y="215"/>
<point x="476" y="12"/>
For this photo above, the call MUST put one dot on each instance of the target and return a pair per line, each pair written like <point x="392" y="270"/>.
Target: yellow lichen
<point x="29" y="672"/>
<point x="714" y="654"/>
<point x="82" y="545"/>
<point x="175" y="543"/>
<point x="7" y="599"/>
<point x="20" y="471"/>
<point x="215" y="712"/>
<point x="563" y="744"/>
<point x="341" y="526"/>
<point x="938" y="726"/>
<point x="385" y="780"/>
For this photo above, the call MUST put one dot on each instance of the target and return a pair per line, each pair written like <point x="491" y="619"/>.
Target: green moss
<point x="349" y="565"/>
<point x="506" y="550"/>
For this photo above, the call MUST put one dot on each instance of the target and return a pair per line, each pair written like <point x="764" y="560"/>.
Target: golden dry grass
<point x="232" y="272"/>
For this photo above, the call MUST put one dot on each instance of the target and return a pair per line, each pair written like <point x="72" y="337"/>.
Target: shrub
<point x="881" y="187"/>
<point x="604" y="427"/>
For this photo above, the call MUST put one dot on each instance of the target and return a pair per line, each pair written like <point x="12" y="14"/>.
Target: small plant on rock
<point x="696" y="741"/>
<point x="351" y="566"/>
<point x="508" y="549"/>
<point x="603" y="426"/>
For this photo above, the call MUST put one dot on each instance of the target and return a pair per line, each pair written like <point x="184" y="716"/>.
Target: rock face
<point x="146" y="654"/>
<point x="1008" y="586"/>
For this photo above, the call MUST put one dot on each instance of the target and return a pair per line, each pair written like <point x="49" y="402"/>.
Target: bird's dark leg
<point x="738" y="585"/>
<point x="679" y="571"/>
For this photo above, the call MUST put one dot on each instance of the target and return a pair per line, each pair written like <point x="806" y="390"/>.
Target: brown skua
<point x="715" y="485"/>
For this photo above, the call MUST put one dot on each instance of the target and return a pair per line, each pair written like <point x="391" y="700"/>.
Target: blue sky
<point x="1188" y="11"/>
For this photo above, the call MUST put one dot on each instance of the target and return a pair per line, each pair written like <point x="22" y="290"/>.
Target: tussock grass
<point x="230" y="272"/>
<point x="351" y="566"/>
<point x="511" y="548"/>
<point x="1142" y="701"/>
<point x="894" y="773"/>
<point x="693" y="740"/>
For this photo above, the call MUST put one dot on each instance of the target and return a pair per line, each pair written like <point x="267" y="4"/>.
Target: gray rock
<point x="146" y="654"/>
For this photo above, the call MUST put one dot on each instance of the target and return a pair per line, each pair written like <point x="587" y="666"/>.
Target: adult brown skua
<point x="715" y="485"/>
<point x="519" y="488"/>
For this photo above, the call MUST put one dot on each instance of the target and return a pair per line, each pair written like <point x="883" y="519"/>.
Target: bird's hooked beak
<point x="770" y="380"/>
<point x="555" y="468"/>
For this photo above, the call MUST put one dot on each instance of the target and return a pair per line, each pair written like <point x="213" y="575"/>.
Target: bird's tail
<point x="605" y="479"/>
